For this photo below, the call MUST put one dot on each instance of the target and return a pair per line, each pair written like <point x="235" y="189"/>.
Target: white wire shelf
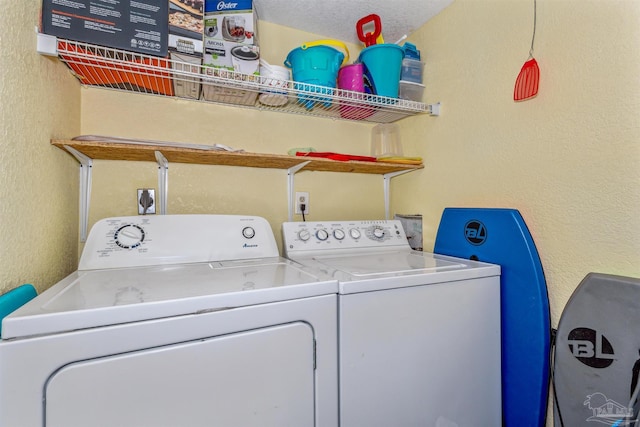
<point x="109" y="68"/>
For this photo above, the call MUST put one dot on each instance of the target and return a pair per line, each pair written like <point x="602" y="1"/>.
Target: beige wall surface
<point x="568" y="160"/>
<point x="38" y="195"/>
<point x="222" y="189"/>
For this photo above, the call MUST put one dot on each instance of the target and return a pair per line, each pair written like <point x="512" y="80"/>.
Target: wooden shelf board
<point x="98" y="150"/>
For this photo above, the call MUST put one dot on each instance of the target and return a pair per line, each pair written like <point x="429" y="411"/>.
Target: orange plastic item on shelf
<point x="122" y="70"/>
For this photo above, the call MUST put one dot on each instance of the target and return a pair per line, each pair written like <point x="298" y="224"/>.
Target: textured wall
<point x="222" y="189"/>
<point x="568" y="159"/>
<point x="38" y="196"/>
<point x="338" y="18"/>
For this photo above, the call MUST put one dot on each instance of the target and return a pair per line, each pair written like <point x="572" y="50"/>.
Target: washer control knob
<point x="355" y="233"/>
<point x="248" y="232"/>
<point x="338" y="234"/>
<point x="378" y="232"/>
<point x="322" y="234"/>
<point x="304" y="235"/>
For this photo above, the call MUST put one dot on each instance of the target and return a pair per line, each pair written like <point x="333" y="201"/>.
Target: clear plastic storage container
<point x="412" y="70"/>
<point x="411" y="91"/>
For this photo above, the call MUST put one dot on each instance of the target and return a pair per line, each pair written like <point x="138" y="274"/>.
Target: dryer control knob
<point x="304" y="235"/>
<point x="338" y="234"/>
<point x="248" y="232"/>
<point x="129" y="236"/>
<point x="322" y="234"/>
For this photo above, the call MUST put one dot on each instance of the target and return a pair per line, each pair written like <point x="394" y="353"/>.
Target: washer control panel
<point x="170" y="239"/>
<point x="335" y="235"/>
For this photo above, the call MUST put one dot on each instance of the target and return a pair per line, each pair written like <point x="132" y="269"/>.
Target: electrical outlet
<point x="146" y="196"/>
<point x="302" y="198"/>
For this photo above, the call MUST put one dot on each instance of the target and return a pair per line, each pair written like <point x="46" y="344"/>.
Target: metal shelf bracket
<point x="85" y="189"/>
<point x="163" y="181"/>
<point x="434" y="109"/>
<point x="290" y="187"/>
<point x="386" y="180"/>
<point x="46" y="44"/>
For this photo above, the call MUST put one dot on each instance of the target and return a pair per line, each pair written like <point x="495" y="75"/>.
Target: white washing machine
<point x="185" y="320"/>
<point x="419" y="333"/>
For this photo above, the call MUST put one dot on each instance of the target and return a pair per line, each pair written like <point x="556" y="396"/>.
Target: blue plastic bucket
<point x="383" y="65"/>
<point x="312" y="65"/>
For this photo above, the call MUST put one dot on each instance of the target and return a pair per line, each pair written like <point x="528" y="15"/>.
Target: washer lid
<point x="376" y="270"/>
<point x="364" y="265"/>
<point x="94" y="298"/>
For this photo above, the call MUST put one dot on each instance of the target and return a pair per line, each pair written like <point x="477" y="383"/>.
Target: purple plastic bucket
<point x="351" y="78"/>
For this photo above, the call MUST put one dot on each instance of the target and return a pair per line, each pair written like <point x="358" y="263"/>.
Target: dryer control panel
<point x="342" y="235"/>
<point x="171" y="239"/>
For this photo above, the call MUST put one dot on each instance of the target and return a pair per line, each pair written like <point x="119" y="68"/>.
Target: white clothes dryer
<point x="175" y="320"/>
<point x="419" y="333"/>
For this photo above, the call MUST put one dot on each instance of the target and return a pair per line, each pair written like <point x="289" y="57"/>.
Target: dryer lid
<point x="96" y="298"/>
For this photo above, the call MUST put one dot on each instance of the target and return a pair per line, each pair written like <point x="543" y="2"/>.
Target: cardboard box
<point x="186" y="83"/>
<point x="231" y="21"/>
<point x="227" y="95"/>
<point x="134" y="25"/>
<point x="117" y="69"/>
<point x="228" y="26"/>
<point x="186" y="45"/>
<point x="235" y="88"/>
<point x="245" y="67"/>
<point x="186" y="26"/>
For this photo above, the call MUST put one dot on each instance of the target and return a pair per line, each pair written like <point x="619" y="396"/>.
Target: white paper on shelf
<point x="115" y="139"/>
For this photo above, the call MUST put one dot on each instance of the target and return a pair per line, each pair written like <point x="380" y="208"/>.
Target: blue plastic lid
<point x="410" y="51"/>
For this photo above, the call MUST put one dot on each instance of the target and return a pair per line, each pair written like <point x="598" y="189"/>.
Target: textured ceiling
<point x="337" y="19"/>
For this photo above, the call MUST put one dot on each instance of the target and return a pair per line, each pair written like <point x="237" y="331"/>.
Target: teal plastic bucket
<point x="383" y="65"/>
<point x="314" y="66"/>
